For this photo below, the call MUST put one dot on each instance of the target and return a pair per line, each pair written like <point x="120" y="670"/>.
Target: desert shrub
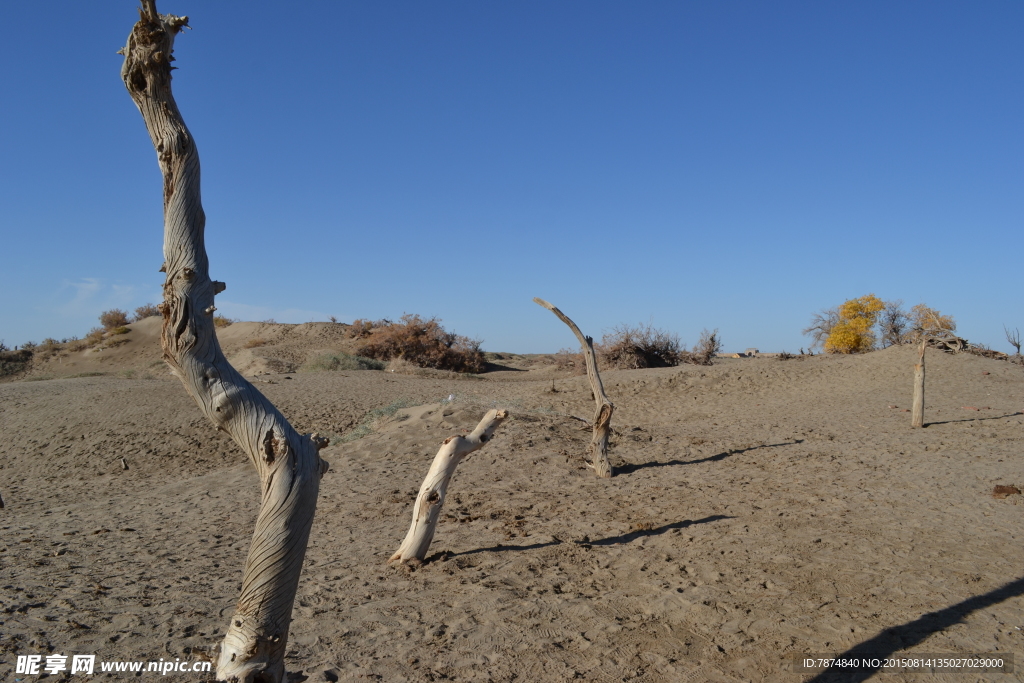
<point x="927" y="322"/>
<point x="894" y="324"/>
<point x="853" y="332"/>
<point x="642" y="346"/>
<point x="145" y="311"/>
<point x="703" y="353"/>
<point x="572" y="360"/>
<point x="115" y="317"/>
<point x="360" y="329"/>
<point x="421" y="342"/>
<point x="341" y="361"/>
<point x="124" y="329"/>
<point x="785" y="355"/>
<point x="13" y="362"/>
<point x="222" y="321"/>
<point x="255" y="342"/>
<point x="95" y="336"/>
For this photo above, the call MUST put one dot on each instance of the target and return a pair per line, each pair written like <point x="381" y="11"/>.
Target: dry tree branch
<point x="288" y="463"/>
<point x="603" y="417"/>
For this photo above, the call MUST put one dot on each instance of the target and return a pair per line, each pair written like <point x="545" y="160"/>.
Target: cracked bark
<point x="288" y="464"/>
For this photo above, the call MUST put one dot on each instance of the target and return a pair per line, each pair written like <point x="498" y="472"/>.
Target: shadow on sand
<point x="973" y="419"/>
<point x="893" y="640"/>
<point x="640" y="533"/>
<point x="612" y="540"/>
<point x="629" y="468"/>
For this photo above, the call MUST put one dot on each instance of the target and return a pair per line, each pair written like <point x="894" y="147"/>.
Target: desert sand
<point x="760" y="509"/>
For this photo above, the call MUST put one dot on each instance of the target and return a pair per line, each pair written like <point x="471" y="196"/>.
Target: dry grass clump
<point x="222" y="321"/>
<point x="643" y="346"/>
<point x="115" y="317"/>
<point x="255" y="342"/>
<point x="422" y="342"/>
<point x="341" y="361"/>
<point x="145" y="311"/>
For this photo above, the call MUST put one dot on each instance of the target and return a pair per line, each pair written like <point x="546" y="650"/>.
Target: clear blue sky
<point x="736" y="165"/>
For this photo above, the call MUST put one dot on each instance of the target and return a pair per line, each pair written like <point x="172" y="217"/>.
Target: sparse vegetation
<point x="115" y="317"/>
<point x="255" y="342"/>
<point x="866" y="323"/>
<point x="145" y="311"/>
<point x="708" y="346"/>
<point x="422" y="342"/>
<point x="643" y="346"/>
<point x="95" y="336"/>
<point x="124" y="329"/>
<point x="341" y="361"/>
<point x="14" y="362"/>
<point x="222" y="321"/>
<point x="374" y="418"/>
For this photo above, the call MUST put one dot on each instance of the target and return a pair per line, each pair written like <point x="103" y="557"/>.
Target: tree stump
<point x="427" y="508"/>
<point x="917" y="410"/>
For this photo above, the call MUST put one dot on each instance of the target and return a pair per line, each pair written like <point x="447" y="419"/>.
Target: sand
<point x="761" y="509"/>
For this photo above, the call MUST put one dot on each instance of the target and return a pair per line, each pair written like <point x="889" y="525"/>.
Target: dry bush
<point x="222" y="321"/>
<point x="573" y="361"/>
<point x="708" y="346"/>
<point x="421" y="342"/>
<point x="95" y="336"/>
<point x="360" y="329"/>
<point x="637" y="347"/>
<point x="894" y="324"/>
<point x="13" y="362"/>
<point x="254" y="342"/>
<point x="115" y="317"/>
<point x="123" y="329"/>
<point x="145" y="311"/>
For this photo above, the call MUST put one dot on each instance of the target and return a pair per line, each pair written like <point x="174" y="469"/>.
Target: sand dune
<point x="760" y="509"/>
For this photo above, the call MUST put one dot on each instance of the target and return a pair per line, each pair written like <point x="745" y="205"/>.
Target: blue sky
<point x="730" y="165"/>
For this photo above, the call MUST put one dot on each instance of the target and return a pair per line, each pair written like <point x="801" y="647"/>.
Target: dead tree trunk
<point x="603" y="417"/>
<point x="917" y="410"/>
<point x="427" y="508"/>
<point x="288" y="463"/>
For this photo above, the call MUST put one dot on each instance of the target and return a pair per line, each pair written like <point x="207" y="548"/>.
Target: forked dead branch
<point x="288" y="463"/>
<point x="603" y="416"/>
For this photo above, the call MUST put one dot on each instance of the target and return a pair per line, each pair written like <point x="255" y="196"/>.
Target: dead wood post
<point x="427" y="508"/>
<point x="917" y="410"/>
<point x="288" y="463"/>
<point x="603" y="417"/>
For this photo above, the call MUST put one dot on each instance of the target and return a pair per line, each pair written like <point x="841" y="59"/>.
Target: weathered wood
<point x="288" y="463"/>
<point x="427" y="508"/>
<point x="603" y="416"/>
<point x="917" y="410"/>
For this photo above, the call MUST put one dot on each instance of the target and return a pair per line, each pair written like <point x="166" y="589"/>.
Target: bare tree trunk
<point x="288" y="463"/>
<point x="603" y="417"/>
<point x="917" y="411"/>
<point x="427" y="508"/>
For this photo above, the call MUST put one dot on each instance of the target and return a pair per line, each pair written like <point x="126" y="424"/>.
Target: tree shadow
<point x="629" y="468"/>
<point x="640" y="533"/>
<point x="499" y="548"/>
<point x="902" y="637"/>
<point x="495" y="367"/>
<point x="974" y="419"/>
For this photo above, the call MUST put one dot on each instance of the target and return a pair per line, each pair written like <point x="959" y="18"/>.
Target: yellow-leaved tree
<point x="854" y="330"/>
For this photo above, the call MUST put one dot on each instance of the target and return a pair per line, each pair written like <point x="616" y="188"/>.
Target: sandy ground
<point x="761" y="509"/>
